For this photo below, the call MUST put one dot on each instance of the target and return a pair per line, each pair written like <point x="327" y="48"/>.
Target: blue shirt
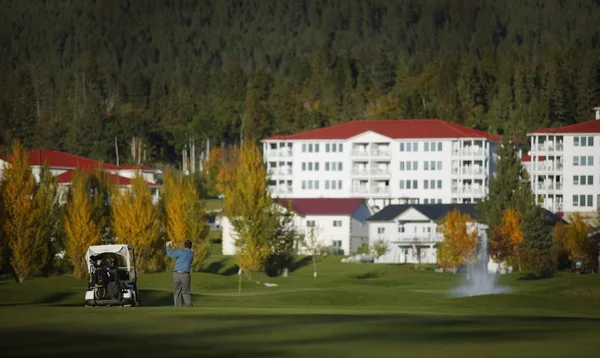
<point x="184" y="258"/>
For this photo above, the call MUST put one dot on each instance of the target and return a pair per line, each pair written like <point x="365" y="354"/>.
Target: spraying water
<point x="479" y="280"/>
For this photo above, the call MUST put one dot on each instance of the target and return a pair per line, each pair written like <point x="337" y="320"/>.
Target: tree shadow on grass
<point x="218" y="335"/>
<point x="63" y="299"/>
<point x="218" y="267"/>
<point x="298" y="264"/>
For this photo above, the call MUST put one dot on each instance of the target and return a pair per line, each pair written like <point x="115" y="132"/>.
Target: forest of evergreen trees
<point x="76" y="74"/>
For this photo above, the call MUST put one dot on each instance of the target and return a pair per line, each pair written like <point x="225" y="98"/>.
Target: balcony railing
<point x="380" y="190"/>
<point x="279" y="153"/>
<point x="548" y="147"/>
<point x="474" y="150"/>
<point x="423" y="238"/>
<point x="360" y="190"/>
<point x="549" y="186"/>
<point x="467" y="190"/>
<point x="356" y="171"/>
<point x="380" y="172"/>
<point x="359" y="153"/>
<point x="380" y="153"/>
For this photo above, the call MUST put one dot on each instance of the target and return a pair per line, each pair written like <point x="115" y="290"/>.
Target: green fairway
<point x="399" y="311"/>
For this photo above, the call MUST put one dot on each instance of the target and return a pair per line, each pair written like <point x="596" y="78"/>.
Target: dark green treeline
<point x="75" y="74"/>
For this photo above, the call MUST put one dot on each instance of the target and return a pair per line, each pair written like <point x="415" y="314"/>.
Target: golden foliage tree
<point x="575" y="235"/>
<point x="80" y="229"/>
<point x="185" y="217"/>
<point x="250" y="210"/>
<point x="20" y="215"/>
<point x="135" y="222"/>
<point x="47" y="228"/>
<point x="459" y="243"/>
<point x="227" y="170"/>
<point x="511" y="227"/>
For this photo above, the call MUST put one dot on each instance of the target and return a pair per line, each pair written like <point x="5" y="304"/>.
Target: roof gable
<point x="429" y="211"/>
<point x="58" y="159"/>
<point x="412" y="214"/>
<point x="392" y="128"/>
<point x="322" y="206"/>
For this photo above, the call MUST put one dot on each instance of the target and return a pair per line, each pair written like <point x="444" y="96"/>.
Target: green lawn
<point x="213" y="204"/>
<point x="401" y="312"/>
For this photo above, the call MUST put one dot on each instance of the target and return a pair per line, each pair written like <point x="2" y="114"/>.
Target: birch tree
<point x="313" y="246"/>
<point x="458" y="245"/>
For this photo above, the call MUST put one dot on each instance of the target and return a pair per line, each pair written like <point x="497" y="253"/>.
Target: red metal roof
<point x="67" y="177"/>
<point x="322" y="206"/>
<point x="392" y="128"/>
<point x="527" y="158"/>
<point x="592" y="126"/>
<point x="64" y="160"/>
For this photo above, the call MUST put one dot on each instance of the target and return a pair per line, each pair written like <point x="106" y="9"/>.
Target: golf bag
<point x="105" y="280"/>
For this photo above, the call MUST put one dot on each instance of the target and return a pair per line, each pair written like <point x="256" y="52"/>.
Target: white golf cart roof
<point x="120" y="249"/>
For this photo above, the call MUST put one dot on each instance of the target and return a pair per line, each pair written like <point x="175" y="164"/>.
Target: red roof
<point x="322" y="206"/>
<point x="392" y="128"/>
<point x="592" y="126"/>
<point x="67" y="177"/>
<point x="64" y="160"/>
<point x="136" y="167"/>
<point x="527" y="158"/>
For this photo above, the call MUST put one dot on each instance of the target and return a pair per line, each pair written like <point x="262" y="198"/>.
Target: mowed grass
<point x="399" y="311"/>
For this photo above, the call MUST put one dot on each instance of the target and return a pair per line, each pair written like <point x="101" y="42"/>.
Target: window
<point x="590" y="161"/>
<point x="317" y="166"/>
<point x="439" y="146"/>
<point x="326" y="166"/>
<point x="583" y="161"/>
<point x="337" y="223"/>
<point x="408" y="166"/>
<point x="337" y="243"/>
<point x="339" y="184"/>
<point x="303" y="166"/>
<point x="415" y="147"/>
<point x="439" y="184"/>
<point x="576" y="142"/>
<point x="415" y="165"/>
<point x="583" y="180"/>
<point x="575" y="161"/>
<point x="590" y="141"/>
<point x="575" y="179"/>
<point x="304" y="184"/>
<point x="408" y="147"/>
<point x="400" y="227"/>
<point x="310" y="223"/>
<point x="380" y="230"/>
<point x="327" y="148"/>
<point x="426" y="148"/>
<point x="326" y="184"/>
<point x="402" y="147"/>
<point x="340" y="147"/>
<point x="415" y="186"/>
<point x="310" y="166"/>
<point x="333" y="146"/>
<point x="310" y="148"/>
<point x="310" y="182"/>
<point x="439" y="201"/>
<point x="401" y="165"/>
<point x="426" y="165"/>
<point x="340" y="166"/>
<point x="317" y="184"/>
<point x="590" y="201"/>
<point x="439" y="165"/>
<point x="426" y="201"/>
<point x="432" y="165"/>
<point x="408" y="184"/>
<point x="304" y="148"/>
<point x="426" y="186"/>
<point x="317" y="148"/>
<point x="590" y="180"/>
<point x="401" y="184"/>
<point x="432" y="184"/>
<point x="581" y="200"/>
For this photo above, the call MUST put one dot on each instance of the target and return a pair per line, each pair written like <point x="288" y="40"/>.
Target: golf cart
<point x="113" y="280"/>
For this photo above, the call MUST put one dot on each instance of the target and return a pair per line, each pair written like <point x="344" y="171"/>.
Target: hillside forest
<point x="80" y="76"/>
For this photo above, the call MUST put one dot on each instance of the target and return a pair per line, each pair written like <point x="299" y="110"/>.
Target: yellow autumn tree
<point x="575" y="236"/>
<point x="135" y="222"/>
<point x="20" y="215"/>
<point x="511" y="230"/>
<point x="459" y="242"/>
<point x="80" y="229"/>
<point x="227" y="169"/>
<point x="249" y="208"/>
<point x="185" y="217"/>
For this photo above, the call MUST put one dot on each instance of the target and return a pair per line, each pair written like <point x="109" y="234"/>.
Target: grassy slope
<point x="400" y="313"/>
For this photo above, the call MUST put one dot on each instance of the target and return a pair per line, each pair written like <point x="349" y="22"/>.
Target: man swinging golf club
<point x="181" y="272"/>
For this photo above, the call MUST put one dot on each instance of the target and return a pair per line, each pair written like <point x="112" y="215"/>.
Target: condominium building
<point x="385" y="161"/>
<point x="565" y="166"/>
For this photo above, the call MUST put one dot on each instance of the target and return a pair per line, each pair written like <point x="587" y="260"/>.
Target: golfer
<point x="181" y="272"/>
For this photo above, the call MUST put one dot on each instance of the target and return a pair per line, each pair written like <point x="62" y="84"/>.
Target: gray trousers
<point x="181" y="289"/>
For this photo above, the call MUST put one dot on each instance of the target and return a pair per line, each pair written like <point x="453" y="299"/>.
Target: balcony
<point x="279" y="153"/>
<point x="380" y="172"/>
<point x="469" y="151"/>
<point x="360" y="153"/>
<point x="414" y="238"/>
<point x="360" y="190"/>
<point x="360" y="172"/>
<point x="380" y="190"/>
<point x="380" y="153"/>
<point x="551" y="186"/>
<point x="467" y="190"/>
